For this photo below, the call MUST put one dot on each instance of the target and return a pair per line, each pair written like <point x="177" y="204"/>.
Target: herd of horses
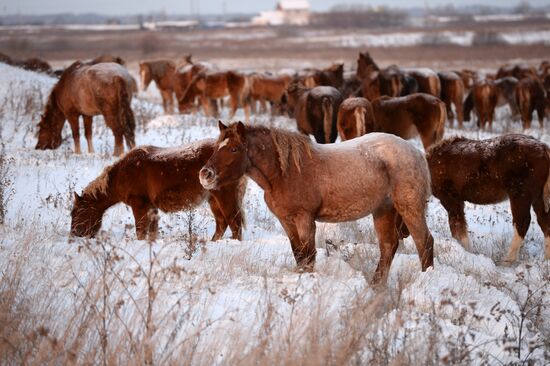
<point x="373" y="170"/>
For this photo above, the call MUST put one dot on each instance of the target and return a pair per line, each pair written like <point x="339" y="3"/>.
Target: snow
<point x="224" y="295"/>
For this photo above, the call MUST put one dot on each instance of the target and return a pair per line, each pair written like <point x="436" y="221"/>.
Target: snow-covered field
<point x="185" y="300"/>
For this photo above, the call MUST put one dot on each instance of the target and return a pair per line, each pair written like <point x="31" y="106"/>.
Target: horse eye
<point x="233" y="149"/>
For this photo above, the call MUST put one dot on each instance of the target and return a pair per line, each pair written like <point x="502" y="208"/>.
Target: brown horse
<point x="530" y="97"/>
<point x="506" y="87"/>
<point x="410" y="116"/>
<point x="303" y="182"/>
<point x="427" y="79"/>
<point x="268" y="88"/>
<point x="489" y="171"/>
<point x="107" y="58"/>
<point x="519" y="71"/>
<point x="208" y="86"/>
<point x="87" y="91"/>
<point x="182" y="79"/>
<point x="162" y="72"/>
<point x="354" y="115"/>
<point x="315" y="110"/>
<point x="482" y="99"/>
<point x="377" y="82"/>
<point x="34" y="64"/>
<point x="452" y="93"/>
<point x="149" y="178"/>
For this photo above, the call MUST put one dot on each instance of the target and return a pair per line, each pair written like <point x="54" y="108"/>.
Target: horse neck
<point x="100" y="201"/>
<point x="53" y="118"/>
<point x="264" y="166"/>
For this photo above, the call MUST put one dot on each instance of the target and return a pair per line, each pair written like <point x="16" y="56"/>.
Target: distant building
<point x="287" y="12"/>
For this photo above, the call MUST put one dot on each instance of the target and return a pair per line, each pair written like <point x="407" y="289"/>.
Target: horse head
<point x="229" y="161"/>
<point x="145" y="74"/>
<point x="85" y="217"/>
<point x="50" y="126"/>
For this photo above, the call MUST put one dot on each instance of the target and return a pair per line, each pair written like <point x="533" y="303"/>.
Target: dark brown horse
<point x="315" y="110"/>
<point x="149" y="178"/>
<point x="354" y="115"/>
<point x="427" y="79"/>
<point x="162" y="72"/>
<point x="410" y="116"/>
<point x="331" y="76"/>
<point x="34" y="64"/>
<point x="519" y="71"/>
<point x="489" y="171"/>
<point x="452" y="93"/>
<point x="107" y="58"/>
<point x="530" y="97"/>
<point x="87" y="91"/>
<point x="304" y="182"/>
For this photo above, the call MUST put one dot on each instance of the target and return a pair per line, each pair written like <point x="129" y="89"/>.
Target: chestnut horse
<point x="208" y="86"/>
<point x="483" y="99"/>
<point x="452" y="93"/>
<point x="354" y="115"/>
<point x="149" y="178"/>
<point x="87" y="91"/>
<point x="410" y="116"/>
<point x="107" y="58"/>
<point x="530" y="97"/>
<point x="315" y="110"/>
<point x="304" y="182"/>
<point x="483" y="172"/>
<point x="268" y="88"/>
<point x="162" y="72"/>
<point x="427" y="79"/>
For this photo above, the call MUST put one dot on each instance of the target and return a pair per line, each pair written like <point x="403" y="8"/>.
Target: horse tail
<point x="127" y="119"/>
<point x="327" y="118"/>
<point x="440" y="129"/>
<point x="360" y="120"/>
<point x="546" y="190"/>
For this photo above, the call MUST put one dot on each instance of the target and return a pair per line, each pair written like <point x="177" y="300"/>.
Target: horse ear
<point x="241" y="129"/>
<point x="221" y="126"/>
<point x="188" y="58"/>
<point x="76" y="197"/>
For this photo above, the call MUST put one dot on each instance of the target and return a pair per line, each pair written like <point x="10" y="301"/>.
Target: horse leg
<point x="459" y="111"/>
<point x="205" y="105"/>
<point x="221" y="223"/>
<point x="450" y="114"/>
<point x="521" y="217"/>
<point x="543" y="219"/>
<point x="142" y="218"/>
<point x="73" y="121"/>
<point x="234" y="100"/>
<point x="457" y="221"/>
<point x="88" y="132"/>
<point x="388" y="240"/>
<point x="153" y="216"/>
<point x="304" y="256"/>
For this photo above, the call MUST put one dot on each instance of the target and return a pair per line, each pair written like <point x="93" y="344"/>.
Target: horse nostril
<point x="207" y="173"/>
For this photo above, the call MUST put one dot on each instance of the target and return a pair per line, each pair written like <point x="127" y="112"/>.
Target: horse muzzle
<point x="207" y="177"/>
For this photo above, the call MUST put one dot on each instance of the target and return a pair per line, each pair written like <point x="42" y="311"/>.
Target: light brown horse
<point x="162" y="72"/>
<point x="268" y="88"/>
<point x="209" y="86"/>
<point x="304" y="182"/>
<point x="489" y="171"/>
<point x="315" y="110"/>
<point x="182" y="79"/>
<point x="484" y="98"/>
<point x="452" y="93"/>
<point x="87" y="91"/>
<point x="410" y="116"/>
<point x="427" y="79"/>
<point x="354" y="115"/>
<point x="149" y="178"/>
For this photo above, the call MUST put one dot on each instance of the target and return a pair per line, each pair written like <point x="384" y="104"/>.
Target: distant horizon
<point x="216" y="7"/>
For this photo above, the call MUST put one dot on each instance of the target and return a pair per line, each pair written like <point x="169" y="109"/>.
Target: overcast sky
<point x="206" y="6"/>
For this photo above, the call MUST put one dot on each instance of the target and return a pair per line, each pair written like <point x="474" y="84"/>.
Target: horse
<point x="6" y="59"/>
<point x="331" y="76"/>
<point x="427" y="79"/>
<point x="34" y="64"/>
<point x="507" y="93"/>
<point x="483" y="98"/>
<point x="416" y="114"/>
<point x="530" y="97"/>
<point x="512" y="166"/>
<point x="269" y="88"/>
<point x="149" y="178"/>
<point x="304" y="182"/>
<point x="354" y="115"/>
<point x="377" y="82"/>
<point x="107" y="58"/>
<point x="519" y="71"/>
<point x="182" y="79"/>
<point x="452" y="93"/>
<point x="316" y="110"/>
<point x="208" y="86"/>
<point x="86" y="91"/>
<point x="162" y="72"/>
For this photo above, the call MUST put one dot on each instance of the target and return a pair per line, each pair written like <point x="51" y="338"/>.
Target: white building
<point x="290" y="12"/>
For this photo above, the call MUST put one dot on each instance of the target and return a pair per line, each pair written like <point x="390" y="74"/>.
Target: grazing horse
<point x="316" y="110"/>
<point x="507" y="93"/>
<point x="35" y="64"/>
<point x="304" y="182"/>
<point x="87" y="91"/>
<point x="484" y="172"/>
<point x="452" y="93"/>
<point x="354" y="115"/>
<point x="149" y="178"/>
<point x="427" y="79"/>
<point x="208" y="86"/>
<point x="182" y="79"/>
<point x="410" y="116"/>
<point x="107" y="58"/>
<point x="483" y="99"/>
<point x="530" y="97"/>
<point x="519" y="71"/>
<point x="162" y="72"/>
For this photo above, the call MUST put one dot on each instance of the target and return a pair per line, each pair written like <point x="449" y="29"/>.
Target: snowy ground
<point x="118" y="299"/>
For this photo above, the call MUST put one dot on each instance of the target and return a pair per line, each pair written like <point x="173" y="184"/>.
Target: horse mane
<point x="158" y="67"/>
<point x="296" y="87"/>
<point x="99" y="185"/>
<point x="445" y="144"/>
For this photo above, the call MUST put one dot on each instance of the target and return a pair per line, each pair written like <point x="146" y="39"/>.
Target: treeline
<point x="359" y="17"/>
